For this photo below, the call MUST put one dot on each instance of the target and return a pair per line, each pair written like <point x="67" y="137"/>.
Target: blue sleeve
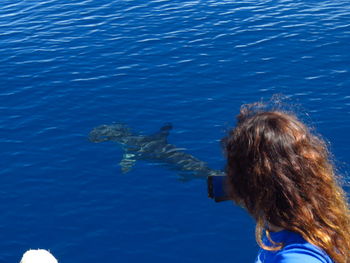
<point x="298" y="255"/>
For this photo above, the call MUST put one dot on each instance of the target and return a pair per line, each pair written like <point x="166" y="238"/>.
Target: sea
<point x="67" y="67"/>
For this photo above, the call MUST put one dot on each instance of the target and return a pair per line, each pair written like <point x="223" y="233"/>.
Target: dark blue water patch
<point x="68" y="67"/>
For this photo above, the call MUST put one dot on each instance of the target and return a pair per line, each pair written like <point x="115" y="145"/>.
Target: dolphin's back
<point x="154" y="147"/>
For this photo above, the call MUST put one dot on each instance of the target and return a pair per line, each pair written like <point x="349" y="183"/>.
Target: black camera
<point x="218" y="188"/>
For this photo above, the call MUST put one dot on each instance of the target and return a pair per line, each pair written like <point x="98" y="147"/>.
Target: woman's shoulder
<point x="296" y="249"/>
<point x="296" y="253"/>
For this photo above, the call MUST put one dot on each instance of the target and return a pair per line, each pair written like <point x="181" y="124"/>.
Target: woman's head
<point x="281" y="173"/>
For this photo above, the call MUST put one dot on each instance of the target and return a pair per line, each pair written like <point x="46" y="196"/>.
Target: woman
<point x="281" y="173"/>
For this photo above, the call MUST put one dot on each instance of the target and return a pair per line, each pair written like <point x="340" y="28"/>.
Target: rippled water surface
<point x="69" y="66"/>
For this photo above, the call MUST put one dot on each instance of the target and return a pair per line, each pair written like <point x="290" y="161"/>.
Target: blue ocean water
<point x="69" y="66"/>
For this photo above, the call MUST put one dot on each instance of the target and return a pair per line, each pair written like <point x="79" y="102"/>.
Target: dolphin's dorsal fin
<point x="163" y="132"/>
<point x="165" y="129"/>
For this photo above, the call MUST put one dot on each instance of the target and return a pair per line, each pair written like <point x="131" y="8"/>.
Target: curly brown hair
<point x="283" y="175"/>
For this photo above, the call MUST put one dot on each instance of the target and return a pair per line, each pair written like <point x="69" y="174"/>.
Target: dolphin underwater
<point x="154" y="148"/>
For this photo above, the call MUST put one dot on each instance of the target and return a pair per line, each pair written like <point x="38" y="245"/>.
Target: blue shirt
<point x="296" y="250"/>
